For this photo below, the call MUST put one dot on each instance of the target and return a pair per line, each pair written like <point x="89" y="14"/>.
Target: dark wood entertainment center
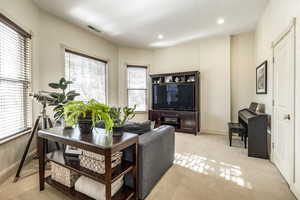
<point x="184" y="120"/>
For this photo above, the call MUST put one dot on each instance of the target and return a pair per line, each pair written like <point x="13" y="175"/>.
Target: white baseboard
<point x="6" y="173"/>
<point x="214" y="132"/>
<point x="295" y="192"/>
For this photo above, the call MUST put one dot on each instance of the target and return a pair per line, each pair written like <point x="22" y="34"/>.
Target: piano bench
<point x="237" y="128"/>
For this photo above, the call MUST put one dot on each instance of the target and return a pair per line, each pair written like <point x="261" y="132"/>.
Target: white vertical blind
<point x="88" y="76"/>
<point x="137" y="87"/>
<point x="15" y="79"/>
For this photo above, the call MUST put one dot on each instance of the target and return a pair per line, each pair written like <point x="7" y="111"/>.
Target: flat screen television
<point x="173" y="97"/>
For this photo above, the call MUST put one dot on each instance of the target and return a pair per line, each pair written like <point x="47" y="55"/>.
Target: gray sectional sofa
<point x="156" y="156"/>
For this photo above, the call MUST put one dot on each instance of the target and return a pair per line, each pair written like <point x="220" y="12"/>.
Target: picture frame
<point x="262" y="78"/>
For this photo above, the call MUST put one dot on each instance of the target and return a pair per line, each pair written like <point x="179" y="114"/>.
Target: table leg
<point x="136" y="170"/>
<point x="41" y="154"/>
<point x="108" y="174"/>
<point x="245" y="140"/>
<point x="230" y="137"/>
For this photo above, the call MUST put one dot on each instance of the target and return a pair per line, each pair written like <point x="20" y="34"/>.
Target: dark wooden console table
<point x="99" y="143"/>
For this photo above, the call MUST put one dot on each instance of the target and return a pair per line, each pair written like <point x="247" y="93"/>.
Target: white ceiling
<point x="137" y="23"/>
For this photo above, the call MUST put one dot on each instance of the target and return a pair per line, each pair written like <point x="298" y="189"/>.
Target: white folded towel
<point x="95" y="189"/>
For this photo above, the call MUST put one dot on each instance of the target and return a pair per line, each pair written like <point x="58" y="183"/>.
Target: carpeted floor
<point x="206" y="168"/>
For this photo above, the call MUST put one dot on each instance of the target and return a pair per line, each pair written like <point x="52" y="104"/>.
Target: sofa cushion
<point x="138" y="127"/>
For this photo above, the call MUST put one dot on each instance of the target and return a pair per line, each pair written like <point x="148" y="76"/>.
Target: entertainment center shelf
<point x="179" y="83"/>
<point x="176" y="100"/>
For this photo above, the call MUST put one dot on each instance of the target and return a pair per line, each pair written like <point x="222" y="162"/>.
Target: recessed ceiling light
<point x="160" y="36"/>
<point x="220" y="21"/>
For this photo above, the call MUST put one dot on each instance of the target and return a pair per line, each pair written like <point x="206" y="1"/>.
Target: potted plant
<point x="120" y="118"/>
<point x="59" y="99"/>
<point x="86" y="115"/>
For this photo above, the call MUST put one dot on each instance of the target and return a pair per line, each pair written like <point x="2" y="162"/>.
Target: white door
<point x="283" y="108"/>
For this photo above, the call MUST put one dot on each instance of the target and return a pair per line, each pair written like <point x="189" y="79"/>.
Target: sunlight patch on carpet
<point x="207" y="166"/>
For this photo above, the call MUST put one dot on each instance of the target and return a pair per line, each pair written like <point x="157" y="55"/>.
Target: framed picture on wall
<point x="261" y="78"/>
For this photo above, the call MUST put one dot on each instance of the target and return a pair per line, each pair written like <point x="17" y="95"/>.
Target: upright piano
<point x="256" y="122"/>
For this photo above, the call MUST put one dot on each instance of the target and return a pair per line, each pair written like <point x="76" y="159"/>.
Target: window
<point x="88" y="75"/>
<point x="137" y="87"/>
<point x="15" y="79"/>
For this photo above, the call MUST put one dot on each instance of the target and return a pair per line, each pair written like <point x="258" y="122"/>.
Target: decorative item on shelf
<point x="59" y="99"/>
<point x="95" y="189"/>
<point x="63" y="175"/>
<point x="182" y="79"/>
<point x="159" y="81"/>
<point x="177" y="79"/>
<point x="119" y="117"/>
<point x="261" y="78"/>
<point x="86" y="115"/>
<point x="168" y="79"/>
<point x="191" y="79"/>
<point x="72" y="151"/>
<point x="96" y="162"/>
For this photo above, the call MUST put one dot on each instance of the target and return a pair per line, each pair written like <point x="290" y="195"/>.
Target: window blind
<point x="88" y="75"/>
<point x="137" y="87"/>
<point x="15" y="79"/>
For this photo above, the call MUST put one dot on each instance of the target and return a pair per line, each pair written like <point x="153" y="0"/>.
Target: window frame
<point x="86" y="55"/>
<point x="27" y="36"/>
<point x="146" y="67"/>
<point x="14" y="26"/>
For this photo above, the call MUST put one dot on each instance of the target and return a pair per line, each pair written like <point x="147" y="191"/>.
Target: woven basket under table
<point x="63" y="175"/>
<point x="96" y="162"/>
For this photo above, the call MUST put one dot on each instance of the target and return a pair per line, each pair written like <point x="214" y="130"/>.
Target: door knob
<point x="287" y="117"/>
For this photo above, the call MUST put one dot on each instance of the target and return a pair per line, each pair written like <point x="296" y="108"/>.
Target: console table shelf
<point x="125" y="193"/>
<point x="74" y="164"/>
<point x="97" y="142"/>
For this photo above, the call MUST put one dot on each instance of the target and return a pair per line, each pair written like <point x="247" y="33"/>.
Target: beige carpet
<point x="206" y="168"/>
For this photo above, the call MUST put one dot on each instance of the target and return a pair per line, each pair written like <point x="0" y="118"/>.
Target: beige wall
<point x="274" y="21"/>
<point x="242" y="72"/>
<point x="16" y="10"/>
<point x="55" y="34"/>
<point x="196" y="55"/>
<point x="50" y="36"/>
<point x="132" y="56"/>
<point x="211" y="57"/>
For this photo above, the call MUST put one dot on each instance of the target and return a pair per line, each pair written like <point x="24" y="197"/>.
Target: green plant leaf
<point x="58" y="99"/>
<point x="59" y="107"/>
<point x="54" y="85"/>
<point x="71" y="92"/>
<point x="62" y="81"/>
<point x="54" y="94"/>
<point x="61" y="98"/>
<point x="92" y="109"/>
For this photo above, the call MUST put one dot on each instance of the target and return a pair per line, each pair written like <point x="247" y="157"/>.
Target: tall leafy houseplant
<point x="59" y="99"/>
<point x="86" y="115"/>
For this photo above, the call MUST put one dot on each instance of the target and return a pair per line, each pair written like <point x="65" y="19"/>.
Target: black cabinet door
<point x="188" y="121"/>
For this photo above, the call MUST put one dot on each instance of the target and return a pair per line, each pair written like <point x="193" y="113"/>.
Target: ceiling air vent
<point x="94" y="29"/>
